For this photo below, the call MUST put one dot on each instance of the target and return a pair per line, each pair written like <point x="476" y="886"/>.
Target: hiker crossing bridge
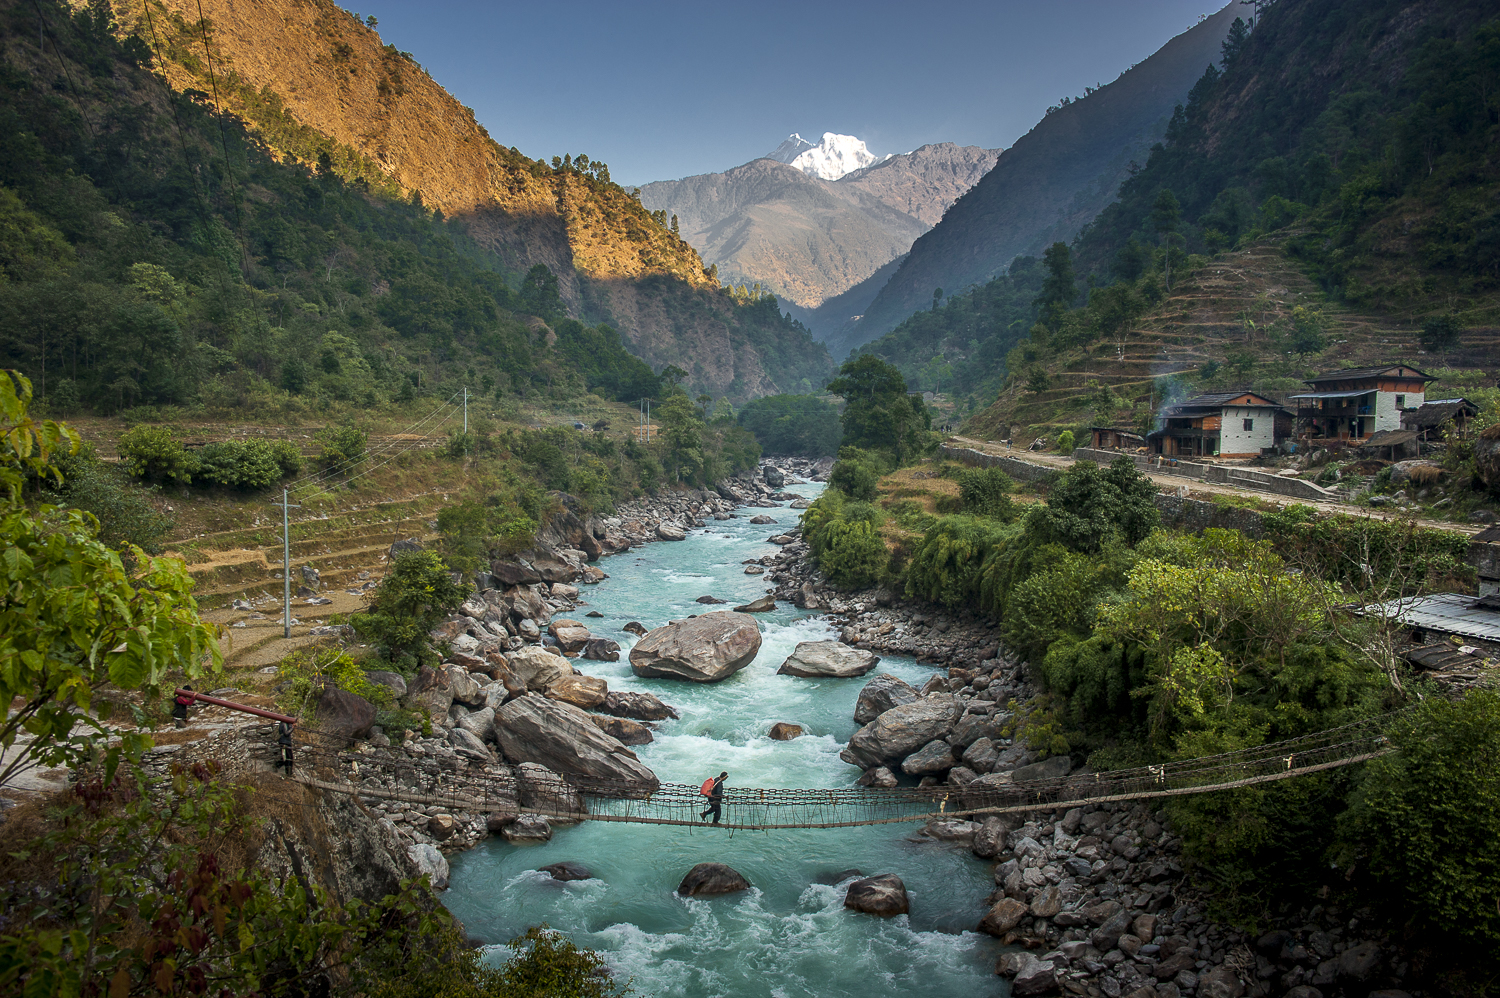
<point x="573" y="798"/>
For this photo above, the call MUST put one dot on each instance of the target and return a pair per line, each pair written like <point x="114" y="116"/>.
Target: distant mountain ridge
<point x="812" y="240"/>
<point x="1050" y="184"/>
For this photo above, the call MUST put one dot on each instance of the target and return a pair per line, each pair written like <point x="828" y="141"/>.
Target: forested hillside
<point x="1052" y="182"/>
<point x="1369" y="128"/>
<point x="166" y="254"/>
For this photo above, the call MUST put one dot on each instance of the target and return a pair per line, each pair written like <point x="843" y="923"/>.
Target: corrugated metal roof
<point x="1335" y="395"/>
<point x="1366" y="372"/>
<point x="1448" y="613"/>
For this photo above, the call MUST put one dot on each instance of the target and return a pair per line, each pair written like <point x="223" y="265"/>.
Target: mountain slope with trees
<point x="315" y="85"/>
<point x="1051" y="183"/>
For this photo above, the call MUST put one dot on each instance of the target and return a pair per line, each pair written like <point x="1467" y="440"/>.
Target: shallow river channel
<point x="789" y="936"/>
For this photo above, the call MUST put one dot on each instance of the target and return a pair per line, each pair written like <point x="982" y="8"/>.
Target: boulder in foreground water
<point x="783" y="731"/>
<point x="628" y="732"/>
<point x="703" y="649"/>
<point x="567" y="871"/>
<point x="884" y="895"/>
<point x="712" y="878"/>
<point x="900" y="731"/>
<point x="833" y="659"/>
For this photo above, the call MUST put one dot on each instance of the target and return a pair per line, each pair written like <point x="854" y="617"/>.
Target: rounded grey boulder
<point x="712" y="878"/>
<point x="883" y="895"/>
<point x="704" y="649"/>
<point x="815" y="659"/>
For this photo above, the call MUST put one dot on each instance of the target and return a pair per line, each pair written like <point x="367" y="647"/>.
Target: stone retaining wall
<point x="1016" y="468"/>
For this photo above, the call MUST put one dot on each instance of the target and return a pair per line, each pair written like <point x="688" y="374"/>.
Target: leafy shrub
<point x="474" y="531"/>
<point x="343" y="446"/>
<point x="125" y="514"/>
<point x="155" y="454"/>
<point x="1065" y="441"/>
<point x="844" y="538"/>
<point x="1087" y="505"/>
<point x="946" y="567"/>
<point x="288" y="457"/>
<point x="239" y="464"/>
<point x="416" y="594"/>
<point x="1419" y="821"/>
<point x="986" y="492"/>
<point x="855" y="479"/>
<point x="306" y="671"/>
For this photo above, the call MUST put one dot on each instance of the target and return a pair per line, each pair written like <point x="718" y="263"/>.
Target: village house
<point x="1221" y="424"/>
<point x="1354" y="404"/>
<point x="1116" y="438"/>
<point x="1434" y="417"/>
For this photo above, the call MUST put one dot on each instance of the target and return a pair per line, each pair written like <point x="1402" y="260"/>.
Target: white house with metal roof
<point x="1359" y="402"/>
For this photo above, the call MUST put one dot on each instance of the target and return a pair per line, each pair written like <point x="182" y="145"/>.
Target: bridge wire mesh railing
<point x="454" y="782"/>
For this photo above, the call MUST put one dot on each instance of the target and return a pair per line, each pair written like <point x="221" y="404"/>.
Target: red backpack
<point x="707" y="789"/>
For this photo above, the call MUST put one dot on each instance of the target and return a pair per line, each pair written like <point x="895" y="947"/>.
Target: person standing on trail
<point x="180" y="705"/>
<point x="284" y="746"/>
<point x="715" y="794"/>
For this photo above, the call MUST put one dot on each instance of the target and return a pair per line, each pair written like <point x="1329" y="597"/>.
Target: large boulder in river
<point x="538" y="667"/>
<point x="880" y="695"/>
<point x="564" y="739"/>
<point x="702" y="649"/>
<point x="816" y="659"/>
<point x="883" y="895"/>
<point x="670" y="532"/>
<point x="902" y="730"/>
<point x="773" y="476"/>
<point x="570" y="634"/>
<point x="602" y="650"/>
<point x="637" y="706"/>
<point x="712" y="878"/>
<point x="587" y="692"/>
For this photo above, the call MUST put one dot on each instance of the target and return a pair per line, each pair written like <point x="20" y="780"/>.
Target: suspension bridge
<point x="573" y="798"/>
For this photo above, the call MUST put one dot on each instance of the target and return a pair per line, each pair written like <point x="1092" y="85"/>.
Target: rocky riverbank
<point x="507" y="701"/>
<point x="1094" y="898"/>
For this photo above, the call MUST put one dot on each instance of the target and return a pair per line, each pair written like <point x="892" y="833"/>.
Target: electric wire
<point x="313" y="478"/>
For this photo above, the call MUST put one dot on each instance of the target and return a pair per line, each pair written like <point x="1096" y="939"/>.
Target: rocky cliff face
<point x="1051" y="183"/>
<point x="316" y="82"/>
<point x="809" y="239"/>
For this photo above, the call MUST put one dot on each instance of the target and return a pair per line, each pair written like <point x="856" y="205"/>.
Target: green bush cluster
<point x="986" y="492"/>
<point x="416" y="594"/>
<point x="155" y="454"/>
<point x="843" y="536"/>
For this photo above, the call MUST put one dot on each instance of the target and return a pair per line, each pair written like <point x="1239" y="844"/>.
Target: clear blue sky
<point x="662" y="90"/>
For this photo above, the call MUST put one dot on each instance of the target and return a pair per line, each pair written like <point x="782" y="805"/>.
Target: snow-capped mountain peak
<point x="835" y="156"/>
<point x="790" y="149"/>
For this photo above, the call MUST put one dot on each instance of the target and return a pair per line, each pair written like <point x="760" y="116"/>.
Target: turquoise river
<point x="789" y="936"/>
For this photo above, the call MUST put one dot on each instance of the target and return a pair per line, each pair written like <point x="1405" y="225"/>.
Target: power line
<point x="316" y="477"/>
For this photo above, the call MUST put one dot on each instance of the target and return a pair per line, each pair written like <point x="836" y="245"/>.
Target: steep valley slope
<point x="314" y="81"/>
<point x="1050" y="184"/>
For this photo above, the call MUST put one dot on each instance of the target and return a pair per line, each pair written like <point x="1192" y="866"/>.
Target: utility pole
<point x="286" y="567"/>
<point x="466" y="408"/>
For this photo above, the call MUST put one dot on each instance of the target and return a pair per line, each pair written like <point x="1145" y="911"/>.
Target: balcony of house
<point x="1314" y="406"/>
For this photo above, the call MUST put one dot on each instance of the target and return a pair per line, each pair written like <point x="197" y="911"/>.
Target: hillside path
<point x="1207" y="490"/>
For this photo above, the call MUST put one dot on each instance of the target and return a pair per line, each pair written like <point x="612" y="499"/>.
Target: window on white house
<point x="1249" y="424"/>
<point x="1400" y="401"/>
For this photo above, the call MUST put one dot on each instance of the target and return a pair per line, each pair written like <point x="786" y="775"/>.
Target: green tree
<point x="793" y="424"/>
<point x="878" y="413"/>
<point x="1059" y="289"/>
<point x="986" y="492"/>
<point x="1089" y="505"/>
<point x="1065" y="442"/>
<point x="682" y="435"/>
<point x="73" y="617"/>
<point x="1440" y="332"/>
<point x="1229" y="49"/>
<point x="1166" y="213"/>
<point x="1416" y="818"/>
<point x="539" y="295"/>
<point x="125" y="513"/>
<point x="413" y="598"/>
<point x="1308" y="336"/>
